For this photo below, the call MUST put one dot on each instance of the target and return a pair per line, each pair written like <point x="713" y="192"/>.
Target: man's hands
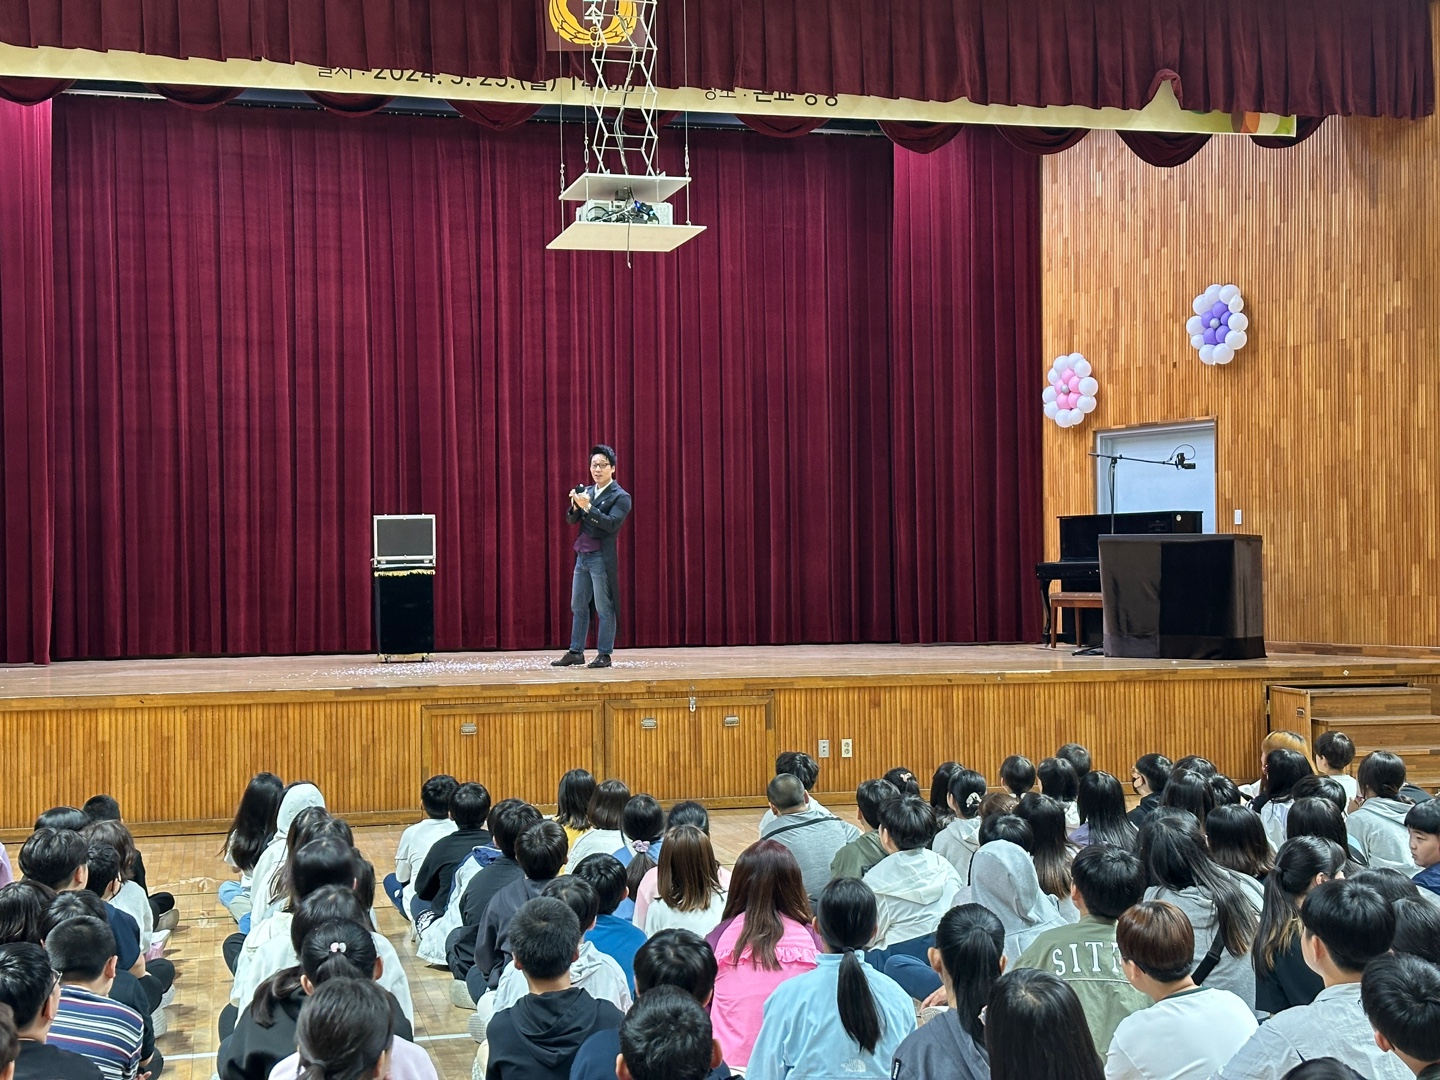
<point x="580" y="500"/>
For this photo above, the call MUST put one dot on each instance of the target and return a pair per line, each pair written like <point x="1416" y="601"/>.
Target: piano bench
<point x="1061" y="600"/>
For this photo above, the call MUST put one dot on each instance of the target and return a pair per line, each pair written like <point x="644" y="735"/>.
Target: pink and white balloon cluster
<point x="1217" y="329"/>
<point x="1071" y="393"/>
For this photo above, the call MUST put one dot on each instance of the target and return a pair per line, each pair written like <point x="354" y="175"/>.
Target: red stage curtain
<point x="495" y="115"/>
<point x="966" y="391"/>
<point x="23" y="91"/>
<point x="196" y="97"/>
<point x="27" y="331"/>
<point x="782" y="127"/>
<point x="919" y="138"/>
<point x="1042" y="140"/>
<point x="1162" y="150"/>
<point x="1309" y="57"/>
<point x="1305" y="127"/>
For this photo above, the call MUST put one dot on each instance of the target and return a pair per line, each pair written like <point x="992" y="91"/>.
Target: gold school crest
<point x="576" y="25"/>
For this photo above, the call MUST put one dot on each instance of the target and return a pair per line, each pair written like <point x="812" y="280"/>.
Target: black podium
<point x="404" y="611"/>
<point x="1183" y="597"/>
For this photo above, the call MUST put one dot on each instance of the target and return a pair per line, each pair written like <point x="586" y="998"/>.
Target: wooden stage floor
<point x="176" y="740"/>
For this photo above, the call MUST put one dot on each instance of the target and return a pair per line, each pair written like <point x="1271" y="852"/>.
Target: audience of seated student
<point x="1101" y="806"/>
<point x="643" y="826"/>
<point x="1018" y="774"/>
<point x="1276" y="740"/>
<point x="764" y="938"/>
<point x="804" y="768"/>
<point x="417" y="840"/>
<point x="690" y="894"/>
<point x="671" y="959"/>
<point x="1283" y="769"/>
<point x="958" y="841"/>
<point x="1108" y="881"/>
<point x="1223" y="907"/>
<point x="297" y="798"/>
<point x="857" y="857"/>
<point x="1059" y="781"/>
<point x="1049" y="847"/>
<point x="572" y="803"/>
<point x="1035" y="1030"/>
<point x="591" y="970"/>
<point x="688" y="812"/>
<point x="88" y="1022"/>
<point x="162" y="904"/>
<point x="157" y="975"/>
<point x="1282" y="977"/>
<point x="606" y="814"/>
<point x="508" y="819"/>
<point x="813" y="834"/>
<point x="1346" y="925"/>
<point x="30" y="989"/>
<point x="346" y="1032"/>
<point x="1317" y="815"/>
<point x="913" y="886"/>
<point x="844" y="1018"/>
<point x="617" y="938"/>
<point x="1237" y="841"/>
<point x="1334" y="753"/>
<point x="248" y="836"/>
<point x="968" y="956"/>
<point x="1191" y="1030"/>
<point x="1377" y="823"/>
<point x="469" y="808"/>
<point x="940" y="792"/>
<point x="1002" y="879"/>
<point x="1417" y="928"/>
<point x="667" y="1036"/>
<point x="538" y="1037"/>
<point x="128" y="896"/>
<point x="903" y="780"/>
<point x="541" y="852"/>
<point x="1401" y="998"/>
<point x="1422" y="822"/>
<point x="1148" y="778"/>
<point x="1191" y="791"/>
<point x="265" y="1031"/>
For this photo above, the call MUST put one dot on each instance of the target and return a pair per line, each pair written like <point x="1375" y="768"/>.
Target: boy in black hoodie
<point x="538" y="1036"/>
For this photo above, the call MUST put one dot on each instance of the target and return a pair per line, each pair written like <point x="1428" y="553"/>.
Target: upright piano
<point x="1078" y="569"/>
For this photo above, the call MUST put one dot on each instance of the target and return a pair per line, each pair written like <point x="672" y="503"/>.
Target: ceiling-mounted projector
<point x="624" y="213"/>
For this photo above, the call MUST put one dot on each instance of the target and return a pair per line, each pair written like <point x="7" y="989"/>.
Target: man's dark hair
<point x="667" y="1036"/>
<point x="62" y="817"/>
<point x="579" y="894"/>
<point x="26" y="980"/>
<point x="541" y="850"/>
<point x="800" y="765"/>
<point x="469" y="805"/>
<point x="607" y="877"/>
<point x="1110" y="879"/>
<point x="544" y="936"/>
<point x="1058" y="779"/>
<point x="1018" y="774"/>
<point x="1336" y="748"/>
<point x="676" y="957"/>
<point x="435" y="795"/>
<point x="72" y="905"/>
<point x="1424" y="817"/>
<point x="102" y="808"/>
<point x="1077" y="756"/>
<point x="608" y="451"/>
<point x="909" y="821"/>
<point x="508" y="820"/>
<point x="80" y="948"/>
<point x="51" y="856"/>
<point x="1401" y="998"/>
<point x="1353" y="920"/>
<point x="870" y="796"/>
<point x="1010" y="827"/>
<point x="785" y="792"/>
<point x="1155" y="768"/>
<point x="104" y="863"/>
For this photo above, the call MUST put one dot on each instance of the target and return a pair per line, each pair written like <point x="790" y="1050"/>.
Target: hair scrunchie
<point x="338" y="946"/>
<point x="641" y="847"/>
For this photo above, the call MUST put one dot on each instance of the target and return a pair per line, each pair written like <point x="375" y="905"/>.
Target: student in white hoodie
<point x="1002" y="879"/>
<point x="264" y="902"/>
<point x="1377" y="816"/>
<point x="913" y="886"/>
<point x="958" y="842"/>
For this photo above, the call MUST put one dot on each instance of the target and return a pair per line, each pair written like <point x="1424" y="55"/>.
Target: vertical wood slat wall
<point x="1328" y="422"/>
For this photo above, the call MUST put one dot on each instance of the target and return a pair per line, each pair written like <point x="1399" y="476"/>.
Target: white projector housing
<point x="600" y="193"/>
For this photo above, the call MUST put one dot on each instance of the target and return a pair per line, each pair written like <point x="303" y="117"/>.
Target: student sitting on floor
<point x="345" y="1033"/>
<point x="643" y="826"/>
<point x="572" y="803"/>
<point x="417" y="840"/>
<point x="1334" y="753"/>
<point x="538" y="1037"/>
<point x="1018" y="774"/>
<point x="688" y="812"/>
<point x="247" y="838"/>
<point x="913" y="886"/>
<point x="857" y="857"/>
<point x="469" y="807"/>
<point x="31" y="990"/>
<point x="1377" y="823"/>
<point x="812" y="833"/>
<point x="1401" y="998"/>
<point x="1035" y="1030"/>
<point x="88" y="1022"/>
<point x="1423" y="824"/>
<point x="541" y="852"/>
<point x="617" y="938"/>
<point x="667" y="1036"/>
<point x="162" y="904"/>
<point x="959" y="840"/>
<point x="1282" y="977"/>
<point x="606" y="813"/>
<point x="265" y="899"/>
<point x="128" y="896"/>
<point x="691" y="895"/>
<point x="1148" y="778"/>
<point x="1059" y="781"/>
<point x="804" y="768"/>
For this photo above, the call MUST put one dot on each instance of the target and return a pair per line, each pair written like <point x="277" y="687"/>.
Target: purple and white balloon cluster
<point x="1071" y="393"/>
<point x="1217" y="329"/>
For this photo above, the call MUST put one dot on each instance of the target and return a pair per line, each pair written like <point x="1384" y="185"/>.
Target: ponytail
<point x="971" y="942"/>
<point x="1296" y="865"/>
<point x="846" y="923"/>
<point x="1173" y="850"/>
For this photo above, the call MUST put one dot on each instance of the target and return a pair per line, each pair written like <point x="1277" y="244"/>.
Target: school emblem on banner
<point x="581" y="25"/>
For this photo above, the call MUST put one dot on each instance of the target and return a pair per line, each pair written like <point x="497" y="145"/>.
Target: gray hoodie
<point x="1233" y="973"/>
<point x="1002" y="878"/>
<point x="1378" y="830"/>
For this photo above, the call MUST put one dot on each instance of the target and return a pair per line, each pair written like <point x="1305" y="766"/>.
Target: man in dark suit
<point x="599" y="510"/>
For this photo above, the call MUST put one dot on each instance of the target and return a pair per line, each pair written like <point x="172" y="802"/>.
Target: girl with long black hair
<point x="250" y="832"/>
<point x="1035" y="1030"/>
<point x="1282" y="978"/>
<point x="844" y="1019"/>
<point x="1101" y="804"/>
<point x="1283" y="769"/>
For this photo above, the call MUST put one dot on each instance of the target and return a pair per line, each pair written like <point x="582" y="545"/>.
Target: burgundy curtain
<point x="1307" y="57"/>
<point x="966" y="343"/>
<point x="1305" y="127"/>
<point x="495" y="115"/>
<point x="782" y="127"/>
<point x="1035" y="140"/>
<point x="24" y="91"/>
<point x="352" y="105"/>
<point x="26" y="350"/>
<point x="196" y="97"/>
<point x="1164" y="151"/>
<point x="919" y="138"/>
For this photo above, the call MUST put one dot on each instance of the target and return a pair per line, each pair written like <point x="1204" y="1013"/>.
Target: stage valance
<point x="1306" y="57"/>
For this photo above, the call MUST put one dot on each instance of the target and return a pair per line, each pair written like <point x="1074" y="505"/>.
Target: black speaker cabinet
<point x="404" y="611"/>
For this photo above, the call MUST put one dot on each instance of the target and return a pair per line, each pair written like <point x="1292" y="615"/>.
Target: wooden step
<point x="1370" y="701"/>
<point x="1380" y="732"/>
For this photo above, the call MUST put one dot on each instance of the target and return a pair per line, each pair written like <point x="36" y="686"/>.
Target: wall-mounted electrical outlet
<point x="847" y="747"/>
<point x="824" y="747"/>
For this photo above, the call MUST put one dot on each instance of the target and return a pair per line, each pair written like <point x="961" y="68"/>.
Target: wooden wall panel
<point x="692" y="754"/>
<point x="1328" y="437"/>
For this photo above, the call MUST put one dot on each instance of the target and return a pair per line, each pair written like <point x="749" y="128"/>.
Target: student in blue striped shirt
<point x="88" y="1022"/>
